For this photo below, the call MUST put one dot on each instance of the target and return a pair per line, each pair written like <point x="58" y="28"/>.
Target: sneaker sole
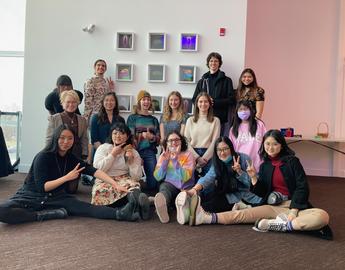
<point x="193" y="205"/>
<point x="161" y="208"/>
<point x="181" y="207"/>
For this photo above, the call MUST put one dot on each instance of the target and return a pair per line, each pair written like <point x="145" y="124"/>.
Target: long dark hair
<point x="53" y="145"/>
<point x="276" y="134"/>
<point x="225" y="175"/>
<point x="121" y="127"/>
<point x="184" y="144"/>
<point x="252" y="119"/>
<point x="102" y="114"/>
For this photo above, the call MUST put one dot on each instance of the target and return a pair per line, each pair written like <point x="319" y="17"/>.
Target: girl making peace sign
<point x="227" y="182"/>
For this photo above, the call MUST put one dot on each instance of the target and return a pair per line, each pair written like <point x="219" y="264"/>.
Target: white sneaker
<point x="161" y="207"/>
<point x="182" y="208"/>
<point x="197" y="214"/>
<point x="240" y="205"/>
<point x="279" y="224"/>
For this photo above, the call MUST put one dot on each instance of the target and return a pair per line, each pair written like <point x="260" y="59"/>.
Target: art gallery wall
<point x="55" y="44"/>
<point x="297" y="49"/>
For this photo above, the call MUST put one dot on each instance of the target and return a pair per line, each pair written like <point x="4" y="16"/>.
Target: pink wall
<point x="293" y="47"/>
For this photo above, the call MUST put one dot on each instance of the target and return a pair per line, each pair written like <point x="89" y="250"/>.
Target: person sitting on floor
<point x="122" y="162"/>
<point x="282" y="183"/>
<point x="43" y="195"/>
<point x="174" y="170"/>
<point x="227" y="183"/>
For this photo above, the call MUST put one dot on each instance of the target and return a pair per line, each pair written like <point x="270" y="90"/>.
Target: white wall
<point x="297" y="49"/>
<point x="55" y="45"/>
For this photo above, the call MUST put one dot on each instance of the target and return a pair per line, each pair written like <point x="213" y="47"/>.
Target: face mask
<point x="228" y="159"/>
<point x="243" y="115"/>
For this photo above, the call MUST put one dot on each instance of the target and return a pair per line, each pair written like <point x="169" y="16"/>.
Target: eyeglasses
<point x="173" y="140"/>
<point x="225" y="149"/>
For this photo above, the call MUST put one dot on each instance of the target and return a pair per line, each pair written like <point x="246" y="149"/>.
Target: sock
<point x="214" y="218"/>
<point x="289" y="226"/>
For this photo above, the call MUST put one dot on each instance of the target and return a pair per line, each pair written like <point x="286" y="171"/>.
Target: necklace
<point x="71" y="116"/>
<point x="62" y="173"/>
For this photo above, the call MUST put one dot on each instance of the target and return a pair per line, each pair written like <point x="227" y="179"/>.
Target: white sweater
<point x="202" y="134"/>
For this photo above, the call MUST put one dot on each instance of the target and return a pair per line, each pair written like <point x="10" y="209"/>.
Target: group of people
<point x="219" y="165"/>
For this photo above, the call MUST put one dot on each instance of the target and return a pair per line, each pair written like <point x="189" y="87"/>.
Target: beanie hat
<point x="142" y="94"/>
<point x="64" y="80"/>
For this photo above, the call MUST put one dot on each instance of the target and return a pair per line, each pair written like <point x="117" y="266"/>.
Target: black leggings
<point x="216" y="204"/>
<point x="19" y="211"/>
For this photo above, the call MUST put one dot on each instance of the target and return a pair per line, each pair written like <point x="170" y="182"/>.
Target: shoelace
<point x="278" y="226"/>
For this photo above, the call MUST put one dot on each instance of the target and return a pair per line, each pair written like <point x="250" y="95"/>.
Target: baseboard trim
<point x="324" y="172"/>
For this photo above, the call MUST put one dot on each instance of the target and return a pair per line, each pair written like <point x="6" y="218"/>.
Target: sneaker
<point x="182" y="208"/>
<point x="197" y="214"/>
<point x="279" y="224"/>
<point x="240" y="206"/>
<point x="128" y="212"/>
<point x="161" y="207"/>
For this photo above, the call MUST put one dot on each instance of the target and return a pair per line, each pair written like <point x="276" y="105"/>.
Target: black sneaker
<point x="324" y="233"/>
<point x="128" y="212"/>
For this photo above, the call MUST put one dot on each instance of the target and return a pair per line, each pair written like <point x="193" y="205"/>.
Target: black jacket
<point x="222" y="92"/>
<point x="53" y="105"/>
<point x="295" y="179"/>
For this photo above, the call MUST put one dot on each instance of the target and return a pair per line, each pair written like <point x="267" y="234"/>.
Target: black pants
<point x="169" y="191"/>
<point x="216" y="203"/>
<point x="23" y="207"/>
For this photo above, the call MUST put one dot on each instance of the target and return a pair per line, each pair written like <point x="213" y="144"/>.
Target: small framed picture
<point x="124" y="72"/>
<point x="157" y="41"/>
<point x="156" y="73"/>
<point x="188" y="106"/>
<point x="125" y="41"/>
<point x="186" y="74"/>
<point x="189" y="42"/>
<point x="125" y="103"/>
<point x="157" y="104"/>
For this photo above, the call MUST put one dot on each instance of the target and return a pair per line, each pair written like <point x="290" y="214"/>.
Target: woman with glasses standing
<point x="174" y="170"/>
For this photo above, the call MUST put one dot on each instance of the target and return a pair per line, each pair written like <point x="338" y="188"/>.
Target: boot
<point x="143" y="203"/>
<point x="128" y="212"/>
<point x="51" y="214"/>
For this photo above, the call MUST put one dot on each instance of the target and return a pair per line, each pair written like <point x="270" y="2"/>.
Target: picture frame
<point x="124" y="72"/>
<point x="189" y="42"/>
<point x="125" y="41"/>
<point x="125" y="103"/>
<point x="157" y="41"/>
<point x="186" y="74"/>
<point x="157" y="103"/>
<point x="188" y="105"/>
<point x="155" y="73"/>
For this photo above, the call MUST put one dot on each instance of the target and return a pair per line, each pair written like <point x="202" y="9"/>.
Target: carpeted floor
<point x="82" y="243"/>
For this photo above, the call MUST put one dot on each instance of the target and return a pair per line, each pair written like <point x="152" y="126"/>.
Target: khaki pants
<point x="306" y="220"/>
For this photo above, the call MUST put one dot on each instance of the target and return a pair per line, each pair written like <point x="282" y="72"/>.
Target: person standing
<point x="219" y="87"/>
<point x="95" y="88"/>
<point x="52" y="101"/>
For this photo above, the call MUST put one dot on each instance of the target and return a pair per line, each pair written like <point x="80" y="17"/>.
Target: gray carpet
<point x="83" y="243"/>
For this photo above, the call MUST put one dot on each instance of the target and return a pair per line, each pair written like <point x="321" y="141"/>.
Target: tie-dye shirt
<point x="178" y="171"/>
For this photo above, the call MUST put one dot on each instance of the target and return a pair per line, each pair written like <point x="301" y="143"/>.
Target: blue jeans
<point x="149" y="157"/>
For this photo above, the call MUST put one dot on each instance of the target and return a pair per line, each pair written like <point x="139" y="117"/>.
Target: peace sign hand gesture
<point x="111" y="84"/>
<point x="74" y="173"/>
<point x="237" y="166"/>
<point x="251" y="171"/>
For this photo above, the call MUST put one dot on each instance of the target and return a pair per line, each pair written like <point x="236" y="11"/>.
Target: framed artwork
<point x="124" y="72"/>
<point x="158" y="103"/>
<point x="125" y="103"/>
<point x="125" y="41"/>
<point x="157" y="41"/>
<point x="189" y="42"/>
<point x="156" y="73"/>
<point x="188" y="106"/>
<point x="186" y="74"/>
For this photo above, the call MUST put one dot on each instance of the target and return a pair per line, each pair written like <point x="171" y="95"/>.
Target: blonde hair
<point x="69" y="93"/>
<point x="210" y="115"/>
<point x="167" y="111"/>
